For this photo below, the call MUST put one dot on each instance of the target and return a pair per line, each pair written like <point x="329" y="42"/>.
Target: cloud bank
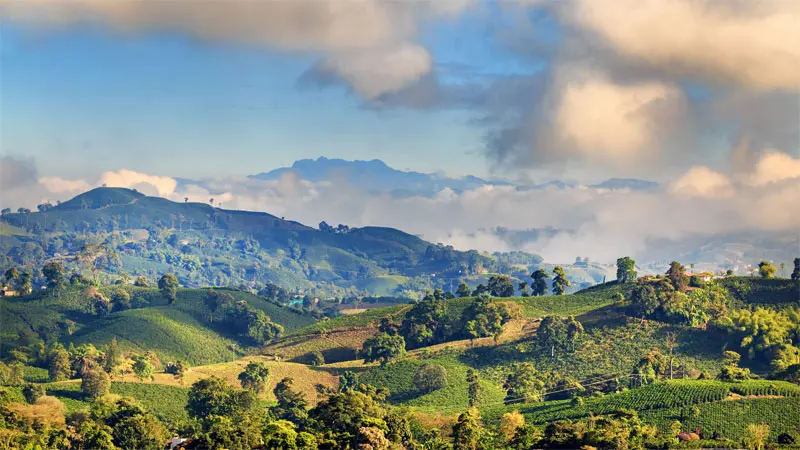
<point x="599" y="223"/>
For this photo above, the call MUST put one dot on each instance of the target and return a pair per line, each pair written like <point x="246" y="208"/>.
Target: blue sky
<point x="88" y="99"/>
<point x="557" y="89"/>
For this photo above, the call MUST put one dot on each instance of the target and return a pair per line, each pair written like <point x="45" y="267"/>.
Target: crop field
<point x="665" y="401"/>
<point x="730" y="418"/>
<point x="166" y="402"/>
<point x="169" y="333"/>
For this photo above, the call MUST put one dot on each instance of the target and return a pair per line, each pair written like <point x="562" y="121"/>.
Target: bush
<point x="430" y="377"/>
<point x="95" y="383"/>
<point x="33" y="392"/>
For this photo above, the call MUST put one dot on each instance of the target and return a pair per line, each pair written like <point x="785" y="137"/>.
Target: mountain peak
<point x="101" y="197"/>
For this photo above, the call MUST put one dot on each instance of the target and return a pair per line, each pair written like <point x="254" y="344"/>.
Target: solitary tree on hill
<point x="539" y="285"/>
<point x="168" y="286"/>
<point x="626" y="270"/>
<point x="560" y="281"/>
<point x="255" y="377"/>
<point x="463" y="290"/>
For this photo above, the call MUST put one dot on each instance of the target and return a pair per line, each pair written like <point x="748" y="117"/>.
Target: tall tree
<point x="474" y="388"/>
<point x="463" y="290"/>
<point x="143" y="368"/>
<point x="112" y="356"/>
<point x="523" y="288"/>
<point x="467" y="431"/>
<point x="383" y="348"/>
<point x="168" y="286"/>
<point x="677" y="276"/>
<point x="255" y="377"/>
<point x="501" y="286"/>
<point x="58" y="363"/>
<point x="53" y="273"/>
<point x="11" y="276"/>
<point x="796" y="271"/>
<point x="626" y="270"/>
<point x="560" y="281"/>
<point x="95" y="383"/>
<point x="539" y="285"/>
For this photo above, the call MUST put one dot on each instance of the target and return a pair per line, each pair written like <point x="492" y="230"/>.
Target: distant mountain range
<point x="377" y="177"/>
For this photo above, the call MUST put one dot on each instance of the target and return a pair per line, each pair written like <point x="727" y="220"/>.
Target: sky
<point x="701" y="97"/>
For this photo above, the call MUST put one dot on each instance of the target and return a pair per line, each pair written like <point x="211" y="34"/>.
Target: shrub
<point x="95" y="383"/>
<point x="316" y="358"/>
<point x="33" y="392"/>
<point x="430" y="377"/>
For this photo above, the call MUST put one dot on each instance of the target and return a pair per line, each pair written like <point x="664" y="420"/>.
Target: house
<point x="8" y="292"/>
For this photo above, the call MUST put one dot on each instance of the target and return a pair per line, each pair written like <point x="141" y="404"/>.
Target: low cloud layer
<point x="599" y="223"/>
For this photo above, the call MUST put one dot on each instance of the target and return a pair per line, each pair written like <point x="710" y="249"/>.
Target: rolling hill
<point x="204" y="245"/>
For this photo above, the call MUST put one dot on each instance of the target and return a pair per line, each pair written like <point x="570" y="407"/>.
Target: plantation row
<point x="674" y="397"/>
<point x="730" y="418"/>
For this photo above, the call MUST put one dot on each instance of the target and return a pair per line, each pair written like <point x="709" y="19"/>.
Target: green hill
<point x="173" y="331"/>
<point x="205" y="245"/>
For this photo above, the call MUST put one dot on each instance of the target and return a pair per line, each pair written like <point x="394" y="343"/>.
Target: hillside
<point x="180" y="330"/>
<point x="597" y="379"/>
<point x="205" y="245"/>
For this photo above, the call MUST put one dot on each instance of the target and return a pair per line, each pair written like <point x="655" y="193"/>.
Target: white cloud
<point x="702" y="182"/>
<point x="147" y="184"/>
<point x="601" y="120"/>
<point x="381" y="71"/>
<point x="745" y="43"/>
<point x="774" y="166"/>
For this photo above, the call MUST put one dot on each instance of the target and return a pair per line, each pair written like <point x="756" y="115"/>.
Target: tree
<point x="58" y="363"/>
<point x="11" y="276"/>
<point x="179" y="369"/>
<point x="140" y="431"/>
<point x="474" y="388"/>
<point x="316" y="358"/>
<point x="213" y="396"/>
<point x="141" y="282"/>
<point x="552" y="334"/>
<point x="677" y="276"/>
<point x="424" y="324"/>
<point x="626" y="270"/>
<point x="644" y="301"/>
<point x="291" y="404"/>
<point x="95" y="383"/>
<point x="766" y="269"/>
<point x="53" y="273"/>
<point x="112" y="356"/>
<point x="484" y="318"/>
<point x="501" y="286"/>
<point x="796" y="271"/>
<point x="430" y="377"/>
<point x="523" y="384"/>
<point x="255" y="377"/>
<point x="33" y="392"/>
<point x="463" y="290"/>
<point x="756" y="436"/>
<point x="523" y="288"/>
<point x="539" y="285"/>
<point x="510" y="423"/>
<point x="467" y="431"/>
<point x="560" y="281"/>
<point x="25" y="286"/>
<point x="142" y="368"/>
<point x="382" y="348"/>
<point x="348" y="380"/>
<point x="121" y="299"/>
<point x="168" y="286"/>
